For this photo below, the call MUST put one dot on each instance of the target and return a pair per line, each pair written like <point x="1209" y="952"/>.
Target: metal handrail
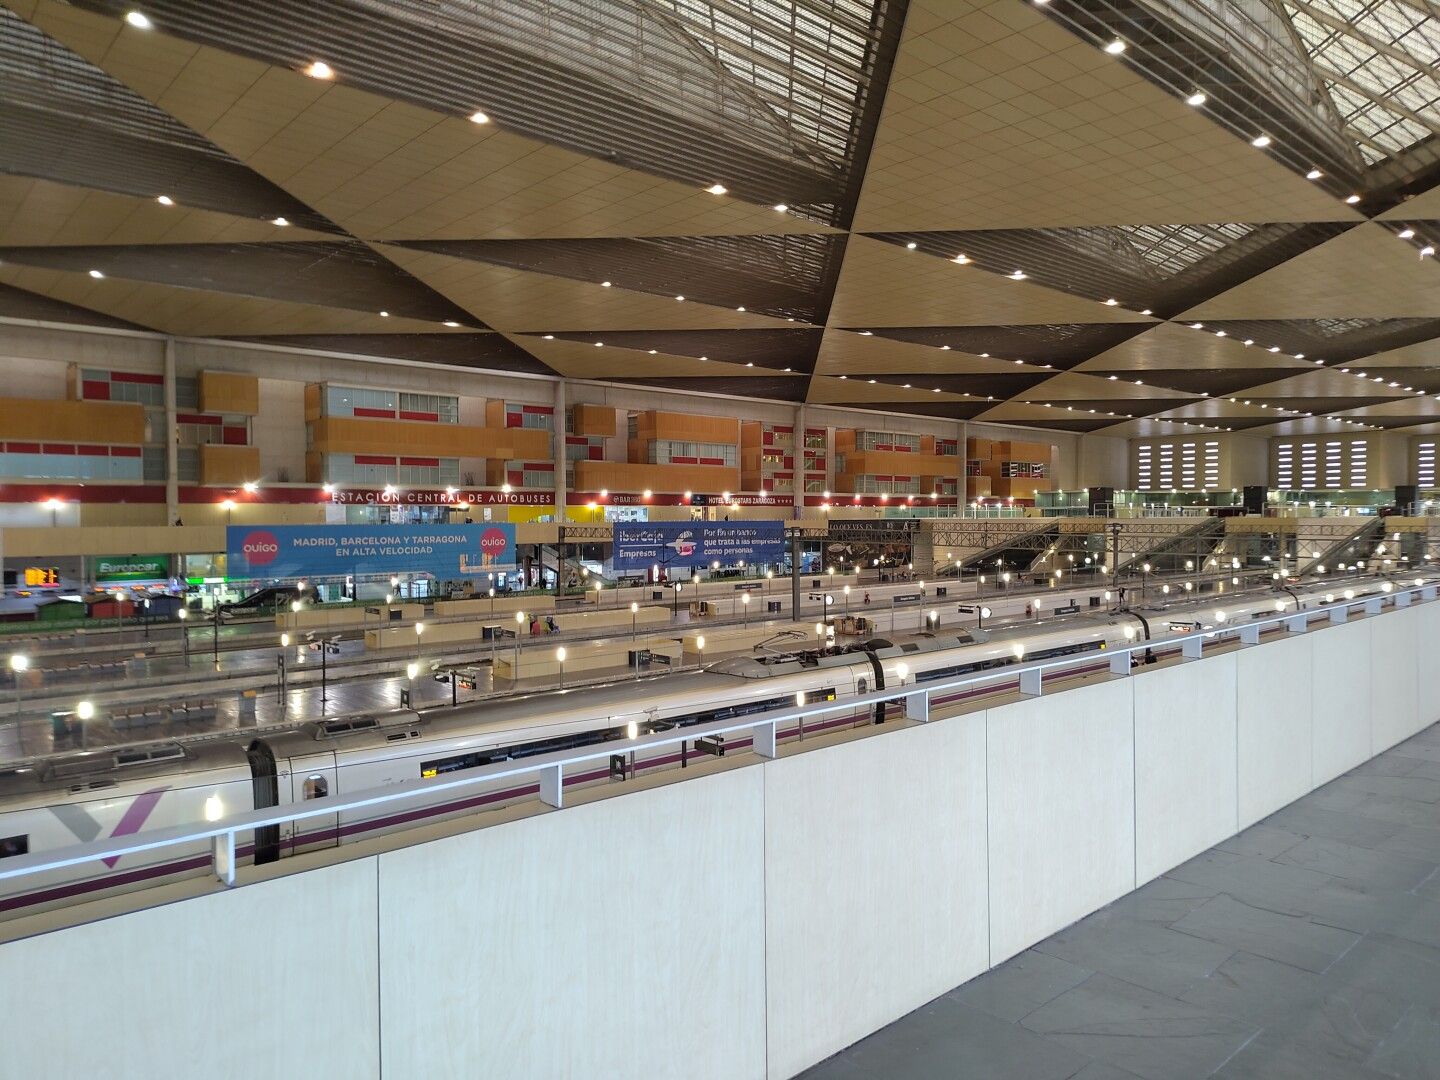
<point x="549" y="769"/>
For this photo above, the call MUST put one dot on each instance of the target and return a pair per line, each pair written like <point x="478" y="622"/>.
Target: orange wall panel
<point x="348" y="435"/>
<point x="72" y="421"/>
<point x="689" y="427"/>
<point x="228" y="393"/>
<point x="313" y="392"/>
<point x="593" y="420"/>
<point x="634" y="476"/>
<point x="229" y="464"/>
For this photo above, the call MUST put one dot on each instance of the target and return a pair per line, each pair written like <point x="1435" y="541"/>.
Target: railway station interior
<point x="720" y="539"/>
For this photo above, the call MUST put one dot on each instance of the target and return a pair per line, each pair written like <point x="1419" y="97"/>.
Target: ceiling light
<point x="1426" y="251"/>
<point x="1249" y="341"/>
<point x="1314" y="174"/>
<point x="844" y="376"/>
<point x="704" y="358"/>
<point x="740" y="308"/>
<point x="96" y="274"/>
<point x="549" y="337"/>
<point x="907" y="386"/>
<point x="936" y="390"/>
<point x="282" y="222"/>
<point x="1274" y="348"/>
<point x="1407" y="233"/>
<point x="1018" y="275"/>
<point x="451" y="323"/>
<point x="165" y="200"/>
<point x="911" y="245"/>
<point x="138" y="20"/>
<point x="605" y="284"/>
<point x="1261" y="141"/>
<point x="1112" y="302"/>
<point x="1197" y="326"/>
<point x="1219" y="333"/>
<point x="478" y="117"/>
<point x="1115" y="48"/>
<point x="872" y="382"/>
<point x="750" y="364"/>
<point x="944" y="348"/>
<point x="653" y="351"/>
<point x="599" y="344"/>
<point x="384" y="314"/>
<point x="679" y="298"/>
<point x="1147" y="311"/>
<point x="866" y="333"/>
<point x="1352" y="199"/>
<point x="961" y="259"/>
<point x="717" y="189"/>
<point x="781" y="208"/>
<point x="788" y="370"/>
<point x="1299" y="356"/>
<point x="1196" y="99"/>
<point x="320" y="70"/>
<point x="1114" y="377"/>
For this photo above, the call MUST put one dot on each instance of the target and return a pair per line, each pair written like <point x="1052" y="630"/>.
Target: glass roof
<point x="1171" y="249"/>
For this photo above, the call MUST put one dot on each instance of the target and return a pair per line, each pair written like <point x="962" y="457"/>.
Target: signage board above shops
<point x="330" y="551"/>
<point x="422" y="497"/>
<point x="132" y="568"/>
<point x="873" y="527"/>
<point x="683" y="543"/>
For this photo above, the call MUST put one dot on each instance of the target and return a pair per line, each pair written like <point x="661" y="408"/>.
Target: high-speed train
<point x="67" y="799"/>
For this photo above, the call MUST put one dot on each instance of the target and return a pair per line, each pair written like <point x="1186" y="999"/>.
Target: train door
<point x="265" y="792"/>
<point x="312" y="776"/>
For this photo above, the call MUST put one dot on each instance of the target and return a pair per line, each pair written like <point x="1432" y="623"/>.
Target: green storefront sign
<point x="132" y="567"/>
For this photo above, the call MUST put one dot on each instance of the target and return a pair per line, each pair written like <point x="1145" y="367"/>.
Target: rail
<point x="549" y="769"/>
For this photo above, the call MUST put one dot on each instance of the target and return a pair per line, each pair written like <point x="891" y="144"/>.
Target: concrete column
<point x="172" y="451"/>
<point x="559" y="449"/>
<point x="962" y="433"/>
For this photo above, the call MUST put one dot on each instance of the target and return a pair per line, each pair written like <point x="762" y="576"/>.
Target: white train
<point x="67" y="799"/>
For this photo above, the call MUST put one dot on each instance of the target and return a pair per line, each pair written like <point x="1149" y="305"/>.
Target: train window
<point x="454" y="764"/>
<point x="861" y="685"/>
<point x="11" y="846"/>
<point x="316" y="787"/>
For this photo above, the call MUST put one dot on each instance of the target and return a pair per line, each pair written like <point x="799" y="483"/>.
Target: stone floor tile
<point x="1268" y="1057"/>
<point x="1258" y="989"/>
<point x="1145" y="954"/>
<point x="1149" y="1034"/>
<point x="1261" y="841"/>
<point x="1290" y="939"/>
<point x="1021" y="985"/>
<point x="1413" y="1051"/>
<point x="1363" y="865"/>
<point x="1161" y="901"/>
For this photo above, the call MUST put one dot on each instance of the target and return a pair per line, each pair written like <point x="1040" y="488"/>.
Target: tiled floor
<point x="1306" y="948"/>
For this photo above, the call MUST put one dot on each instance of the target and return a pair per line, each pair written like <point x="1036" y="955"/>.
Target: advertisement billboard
<point x="684" y="543"/>
<point x="329" y="551"/>
<point x="132" y="568"/>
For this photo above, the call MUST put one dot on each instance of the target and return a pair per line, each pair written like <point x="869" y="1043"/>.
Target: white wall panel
<point x="875" y="884"/>
<point x="1394" y="659"/>
<point x="1275" y="684"/>
<point x="1184" y="762"/>
<point x="622" y="938"/>
<point x="1342" y="707"/>
<point x="273" y="979"/>
<point x="1427" y="670"/>
<point x="1062" y="804"/>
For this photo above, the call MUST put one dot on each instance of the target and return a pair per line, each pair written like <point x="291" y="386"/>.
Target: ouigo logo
<point x="260" y="547"/>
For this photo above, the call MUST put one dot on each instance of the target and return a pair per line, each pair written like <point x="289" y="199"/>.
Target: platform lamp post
<point x="934" y="620"/>
<point x="1144" y="577"/>
<point x="634" y="614"/>
<point x="983" y="613"/>
<point x="519" y="622"/>
<point x="182" y="614"/>
<point x="19" y="664"/>
<point x="228" y="505"/>
<point x="745" y="609"/>
<point x="700" y="648"/>
<point x="560" y="659"/>
<point x="84" y="712"/>
<point x="419" y="629"/>
<point x="280" y="663"/>
<point x="846" y="593"/>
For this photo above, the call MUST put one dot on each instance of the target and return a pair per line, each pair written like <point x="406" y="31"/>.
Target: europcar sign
<point x="296" y="551"/>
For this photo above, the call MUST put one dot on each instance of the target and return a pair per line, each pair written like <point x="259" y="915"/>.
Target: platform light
<point x="1349" y="594"/>
<point x="139" y="20"/>
<point x="318" y="69"/>
<point x="419" y="629"/>
<point x="1219" y="616"/>
<point x="1019" y="650"/>
<point x="284" y="641"/>
<point x="295" y="607"/>
<point x="412" y="669"/>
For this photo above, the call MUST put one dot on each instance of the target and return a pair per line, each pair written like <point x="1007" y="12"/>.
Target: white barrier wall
<point x="747" y="923"/>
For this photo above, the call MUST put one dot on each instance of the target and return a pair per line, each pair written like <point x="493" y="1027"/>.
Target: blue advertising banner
<point x="639" y="545"/>
<point x="297" y="551"/>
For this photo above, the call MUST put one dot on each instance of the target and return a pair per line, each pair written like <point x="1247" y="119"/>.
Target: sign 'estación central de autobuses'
<point x="327" y="551"/>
